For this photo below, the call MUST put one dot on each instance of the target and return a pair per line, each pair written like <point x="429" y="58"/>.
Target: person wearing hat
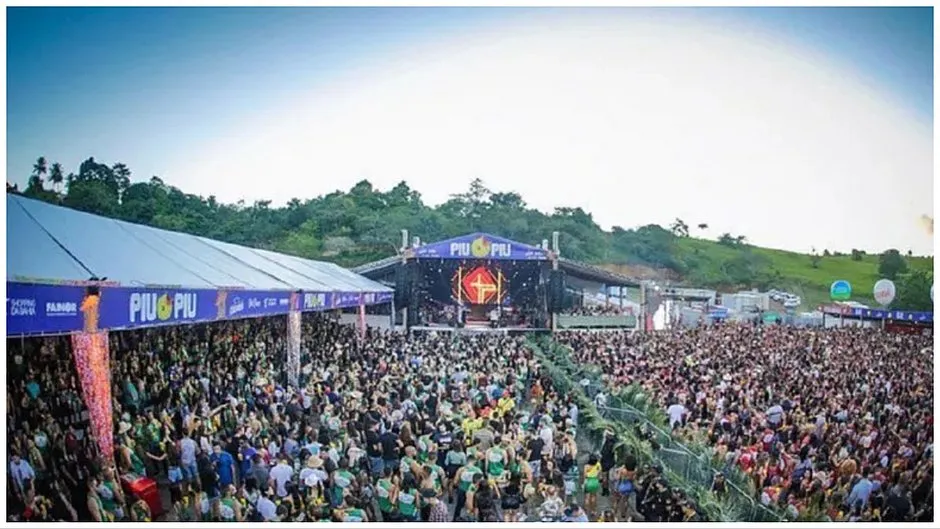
<point x="313" y="472"/>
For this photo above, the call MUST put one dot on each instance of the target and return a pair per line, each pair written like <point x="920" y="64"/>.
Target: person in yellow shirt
<point x="505" y="404"/>
<point x="591" y="484"/>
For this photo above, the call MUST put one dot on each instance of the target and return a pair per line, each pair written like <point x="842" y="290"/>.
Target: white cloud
<point x="636" y="121"/>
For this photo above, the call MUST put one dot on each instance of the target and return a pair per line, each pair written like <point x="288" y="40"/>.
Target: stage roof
<point x="52" y="244"/>
<point x="384" y="267"/>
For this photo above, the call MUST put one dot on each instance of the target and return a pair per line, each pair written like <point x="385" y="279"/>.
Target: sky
<point x="799" y="128"/>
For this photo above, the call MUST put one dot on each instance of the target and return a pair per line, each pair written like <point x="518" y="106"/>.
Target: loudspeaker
<point x="556" y="291"/>
<point x="404" y="285"/>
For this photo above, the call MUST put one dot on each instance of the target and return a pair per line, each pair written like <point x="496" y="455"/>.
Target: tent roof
<point x="47" y="243"/>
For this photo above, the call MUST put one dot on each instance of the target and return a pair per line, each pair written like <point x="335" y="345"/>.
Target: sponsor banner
<point x="254" y="303"/>
<point x="481" y="246"/>
<point x="33" y="309"/>
<point x="878" y="314"/>
<point x="53" y="309"/>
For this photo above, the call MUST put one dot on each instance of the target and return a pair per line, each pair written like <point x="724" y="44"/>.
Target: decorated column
<point x="294" y="331"/>
<point x="92" y="356"/>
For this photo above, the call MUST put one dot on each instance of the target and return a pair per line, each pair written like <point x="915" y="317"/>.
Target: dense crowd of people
<point x="385" y="426"/>
<point x="598" y="309"/>
<point x="438" y="427"/>
<point x="838" y="421"/>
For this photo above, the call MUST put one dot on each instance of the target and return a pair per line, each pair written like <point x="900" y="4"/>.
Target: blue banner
<point x="481" y="246"/>
<point x="52" y="309"/>
<point x="878" y="314"/>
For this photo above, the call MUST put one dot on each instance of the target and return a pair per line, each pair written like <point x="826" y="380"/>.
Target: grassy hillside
<point x="363" y="224"/>
<point x="798" y="275"/>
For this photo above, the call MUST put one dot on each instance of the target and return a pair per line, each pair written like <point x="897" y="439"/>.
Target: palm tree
<point x="39" y="169"/>
<point x="56" y="176"/>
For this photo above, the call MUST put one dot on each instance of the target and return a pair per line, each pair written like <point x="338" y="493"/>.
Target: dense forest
<point x="363" y="224"/>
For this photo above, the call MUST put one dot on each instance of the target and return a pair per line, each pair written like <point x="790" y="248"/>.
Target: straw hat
<point x="314" y="462"/>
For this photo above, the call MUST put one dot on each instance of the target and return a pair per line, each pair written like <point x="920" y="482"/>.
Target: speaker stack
<point x="556" y="291"/>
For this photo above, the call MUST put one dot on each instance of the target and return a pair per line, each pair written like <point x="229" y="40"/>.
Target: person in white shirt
<point x="281" y="474"/>
<point x="21" y="470"/>
<point x="676" y="414"/>
<point x="267" y="508"/>
<point x="188" y="449"/>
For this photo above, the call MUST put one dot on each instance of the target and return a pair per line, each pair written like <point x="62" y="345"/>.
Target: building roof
<point x="585" y="271"/>
<point x="50" y="244"/>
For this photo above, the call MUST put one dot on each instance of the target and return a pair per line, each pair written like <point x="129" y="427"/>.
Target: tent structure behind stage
<point x="154" y="276"/>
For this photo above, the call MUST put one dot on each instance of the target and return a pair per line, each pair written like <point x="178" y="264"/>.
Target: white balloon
<point x="884" y="292"/>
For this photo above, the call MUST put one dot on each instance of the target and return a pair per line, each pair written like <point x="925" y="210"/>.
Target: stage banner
<point x="294" y="331"/>
<point x="92" y="361"/>
<point x="481" y="246"/>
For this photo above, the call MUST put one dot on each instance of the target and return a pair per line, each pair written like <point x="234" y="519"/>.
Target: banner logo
<point x="21" y="307"/>
<point x="481" y="248"/>
<point x="236" y="307"/>
<point x="148" y="307"/>
<point x="61" y="308"/>
<point x="314" y="301"/>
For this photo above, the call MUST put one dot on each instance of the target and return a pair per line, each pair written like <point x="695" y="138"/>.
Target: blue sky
<point x="151" y="87"/>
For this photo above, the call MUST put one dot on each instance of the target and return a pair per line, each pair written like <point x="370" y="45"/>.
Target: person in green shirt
<point x="425" y="446"/>
<point x="465" y="479"/>
<point x="342" y="480"/>
<point x="455" y="459"/>
<point x="436" y="473"/>
<point x="408" y="500"/>
<point x="230" y="510"/>
<point x="353" y="512"/>
<point x="409" y="464"/>
<point x="386" y="493"/>
<point x="496" y="461"/>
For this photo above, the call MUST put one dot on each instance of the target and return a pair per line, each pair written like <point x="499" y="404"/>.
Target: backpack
<point x="625" y="486"/>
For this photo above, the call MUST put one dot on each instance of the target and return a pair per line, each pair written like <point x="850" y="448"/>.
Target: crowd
<point x="385" y="426"/>
<point x="598" y="309"/>
<point x="837" y="421"/>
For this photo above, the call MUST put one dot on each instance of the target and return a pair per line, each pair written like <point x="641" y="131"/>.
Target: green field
<point x="797" y="274"/>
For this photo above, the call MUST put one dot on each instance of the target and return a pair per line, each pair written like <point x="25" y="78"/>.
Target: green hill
<point x="363" y="224"/>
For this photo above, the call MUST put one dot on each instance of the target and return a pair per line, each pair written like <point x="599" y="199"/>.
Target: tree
<point x="39" y="168"/>
<point x="914" y="291"/>
<point x="857" y="255"/>
<point x="891" y="264"/>
<point x="814" y="258"/>
<point x="56" y="177"/>
<point x="679" y="228"/>
<point x="726" y="239"/>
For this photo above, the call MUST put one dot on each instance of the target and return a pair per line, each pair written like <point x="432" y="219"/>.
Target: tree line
<point x="363" y="224"/>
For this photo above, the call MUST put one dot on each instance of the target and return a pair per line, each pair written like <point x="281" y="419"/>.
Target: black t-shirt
<point x="535" y="449"/>
<point x="373" y="444"/>
<point x="898" y="508"/>
<point x="206" y="473"/>
<point x="389" y="445"/>
<point x="607" y="453"/>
